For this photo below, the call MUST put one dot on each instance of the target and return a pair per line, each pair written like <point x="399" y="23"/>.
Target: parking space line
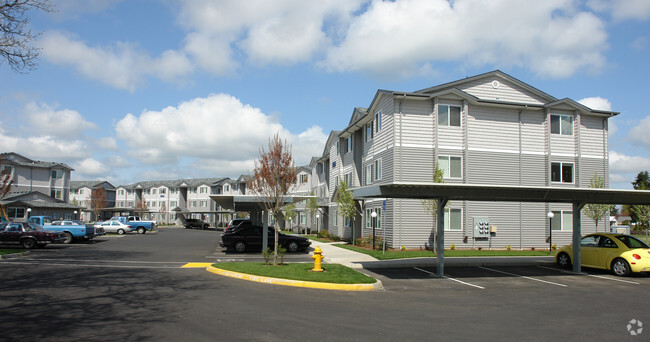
<point x="595" y="276"/>
<point x="447" y="277"/>
<point x="525" y="277"/>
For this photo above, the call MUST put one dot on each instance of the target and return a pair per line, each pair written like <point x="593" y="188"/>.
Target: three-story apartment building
<point x="486" y="129"/>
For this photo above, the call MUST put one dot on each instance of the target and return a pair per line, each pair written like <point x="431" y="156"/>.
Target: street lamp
<point x="29" y="211"/>
<point x="317" y="227"/>
<point x="550" y="231"/>
<point x="75" y="214"/>
<point x="374" y="216"/>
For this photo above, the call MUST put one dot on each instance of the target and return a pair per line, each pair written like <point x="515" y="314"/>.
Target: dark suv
<point x="196" y="223"/>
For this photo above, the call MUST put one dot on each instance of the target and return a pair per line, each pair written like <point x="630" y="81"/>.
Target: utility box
<point x="481" y="227"/>
<point x="493" y="229"/>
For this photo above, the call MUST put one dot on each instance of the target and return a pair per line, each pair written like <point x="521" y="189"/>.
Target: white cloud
<point x="549" y="37"/>
<point x="218" y="130"/>
<point x="623" y="9"/>
<point x="44" y="147"/>
<point x="90" y="167"/>
<point x="621" y="163"/>
<point x="65" y="123"/>
<point x="639" y="133"/>
<point x="108" y="144"/>
<point x="114" y="162"/>
<point x="122" y="65"/>
<point x="597" y="103"/>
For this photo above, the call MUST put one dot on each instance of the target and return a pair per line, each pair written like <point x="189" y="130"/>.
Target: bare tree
<point x="273" y="180"/>
<point x="98" y="201"/>
<point x="141" y="207"/>
<point x="16" y="41"/>
<point x="6" y="182"/>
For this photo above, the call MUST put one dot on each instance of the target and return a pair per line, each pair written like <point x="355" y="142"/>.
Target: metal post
<point x="373" y="215"/>
<point x="440" y="236"/>
<point x="577" y="234"/>
<point x="265" y="231"/>
<point x="550" y="231"/>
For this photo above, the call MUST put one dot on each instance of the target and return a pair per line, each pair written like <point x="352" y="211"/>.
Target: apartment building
<point x="39" y="188"/>
<point x="81" y="194"/>
<point x="486" y="129"/>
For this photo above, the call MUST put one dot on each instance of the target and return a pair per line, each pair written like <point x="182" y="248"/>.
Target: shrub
<point x="267" y="254"/>
<point x="508" y="247"/>
<point x="479" y="248"/>
<point x="532" y="248"/>
<point x="554" y="247"/>
<point x="281" y="252"/>
<point x="402" y="247"/>
<point x="452" y="247"/>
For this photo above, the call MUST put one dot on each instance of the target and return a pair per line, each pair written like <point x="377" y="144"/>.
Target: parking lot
<point x="136" y="288"/>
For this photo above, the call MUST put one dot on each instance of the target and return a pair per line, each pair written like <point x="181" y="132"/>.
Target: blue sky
<point x="142" y="89"/>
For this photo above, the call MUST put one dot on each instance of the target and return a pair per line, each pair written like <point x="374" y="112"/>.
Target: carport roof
<point x="482" y="192"/>
<point x="249" y="202"/>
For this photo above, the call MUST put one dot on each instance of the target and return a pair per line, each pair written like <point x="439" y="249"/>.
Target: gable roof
<point x="17" y="159"/>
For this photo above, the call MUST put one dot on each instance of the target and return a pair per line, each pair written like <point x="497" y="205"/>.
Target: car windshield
<point x="36" y="227"/>
<point x="632" y="242"/>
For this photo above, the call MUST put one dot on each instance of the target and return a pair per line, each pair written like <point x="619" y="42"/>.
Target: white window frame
<point x="369" y="174"/>
<point x="377" y="120"/>
<point x="348" y="144"/>
<point x="447" y="220"/>
<point x="203" y="190"/>
<point x="370" y="127"/>
<point x="377" y="169"/>
<point x="447" y="171"/>
<point x="561" y="124"/>
<point x="562" y="164"/>
<point x="563" y="218"/>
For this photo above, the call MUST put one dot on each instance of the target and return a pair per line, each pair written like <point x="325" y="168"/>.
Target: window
<point x="449" y="115"/>
<point x="56" y="193"/>
<point x="119" y="192"/>
<point x="6" y="169"/>
<point x="451" y="166"/>
<point x="154" y="191"/>
<point x="129" y="192"/>
<point x="129" y="204"/>
<point x="193" y="190"/>
<point x="347" y="178"/>
<point x="369" y="130"/>
<point x="162" y="191"/>
<point x="378" y="121"/>
<point x="320" y="167"/>
<point x="81" y="191"/>
<point x="338" y="151"/>
<point x="453" y="219"/>
<point x="562" y="124"/>
<point x="336" y="182"/>
<point x="226" y="188"/>
<point x="173" y="191"/>
<point x="562" y="220"/>
<point x="348" y="144"/>
<point x="368" y="174"/>
<point x="204" y="204"/>
<point x="376" y="221"/>
<point x="193" y="204"/>
<point x="56" y="174"/>
<point x="153" y="204"/>
<point x="304" y="179"/>
<point x="203" y="190"/>
<point x="378" y="169"/>
<point x="335" y="221"/>
<point x="120" y="204"/>
<point x="303" y="219"/>
<point x="562" y="172"/>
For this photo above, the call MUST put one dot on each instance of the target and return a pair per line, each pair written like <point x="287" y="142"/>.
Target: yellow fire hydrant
<point x="318" y="256"/>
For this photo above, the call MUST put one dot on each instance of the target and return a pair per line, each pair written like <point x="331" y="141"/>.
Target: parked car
<point x="196" y="223"/>
<point x="621" y="254"/>
<point x="28" y="235"/>
<point x="249" y="237"/>
<point x="113" y="226"/>
<point x="236" y="223"/>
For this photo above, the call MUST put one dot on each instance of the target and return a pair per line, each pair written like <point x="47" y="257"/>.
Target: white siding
<point x="506" y="91"/>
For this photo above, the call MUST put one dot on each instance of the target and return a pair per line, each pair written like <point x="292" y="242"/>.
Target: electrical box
<point x="481" y="227"/>
<point x="493" y="229"/>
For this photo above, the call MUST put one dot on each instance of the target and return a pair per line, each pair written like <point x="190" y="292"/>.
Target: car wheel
<point x="564" y="260"/>
<point x="206" y="226"/>
<point x="292" y="247"/>
<point x="28" y="243"/>
<point x="240" y="246"/>
<point x="141" y="230"/>
<point x="68" y="237"/>
<point x="120" y="232"/>
<point x="621" y="268"/>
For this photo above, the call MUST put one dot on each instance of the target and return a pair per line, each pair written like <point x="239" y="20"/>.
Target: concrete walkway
<point x="337" y="255"/>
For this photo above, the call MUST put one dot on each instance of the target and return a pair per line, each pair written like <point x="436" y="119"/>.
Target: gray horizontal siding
<point x="493" y="128"/>
<point x="413" y="164"/>
<point x="506" y="91"/>
<point x="492" y="168"/>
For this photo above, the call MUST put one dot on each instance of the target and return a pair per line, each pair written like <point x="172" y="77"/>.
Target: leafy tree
<point x="163" y="211"/>
<point x="312" y="205"/>
<point x="16" y="38"/>
<point x="98" y="201"/>
<point x="346" y="206"/>
<point x="642" y="181"/>
<point x="641" y="213"/>
<point x="141" y="207"/>
<point x="273" y="180"/>
<point x="597" y="211"/>
<point x="6" y="182"/>
<point x="430" y="206"/>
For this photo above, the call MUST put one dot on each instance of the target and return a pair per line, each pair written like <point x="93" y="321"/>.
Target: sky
<point x="135" y="90"/>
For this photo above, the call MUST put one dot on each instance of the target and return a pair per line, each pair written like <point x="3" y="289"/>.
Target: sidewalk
<point x="336" y="255"/>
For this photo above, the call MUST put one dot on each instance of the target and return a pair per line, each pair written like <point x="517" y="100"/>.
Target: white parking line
<point x="446" y="277"/>
<point x="519" y="275"/>
<point x="593" y="275"/>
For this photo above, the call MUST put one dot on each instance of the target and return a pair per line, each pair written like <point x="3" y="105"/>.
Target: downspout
<point x="521" y="230"/>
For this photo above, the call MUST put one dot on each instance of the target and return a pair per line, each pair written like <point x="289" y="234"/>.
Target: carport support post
<point x="265" y="230"/>
<point x="440" y="236"/>
<point x="577" y="234"/>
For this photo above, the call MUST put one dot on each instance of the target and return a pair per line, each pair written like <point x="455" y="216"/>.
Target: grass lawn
<point x="10" y="251"/>
<point x="334" y="273"/>
<point x="393" y="254"/>
<point x="643" y="238"/>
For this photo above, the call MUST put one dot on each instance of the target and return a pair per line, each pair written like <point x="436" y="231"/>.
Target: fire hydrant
<point x="318" y="256"/>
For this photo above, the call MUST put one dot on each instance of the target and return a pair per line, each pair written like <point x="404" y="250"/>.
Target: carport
<point x="444" y="192"/>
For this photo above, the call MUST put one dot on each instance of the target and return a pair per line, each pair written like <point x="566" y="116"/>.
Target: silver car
<point x="114" y="227"/>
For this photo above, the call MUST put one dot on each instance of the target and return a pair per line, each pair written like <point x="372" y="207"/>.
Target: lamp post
<point x="374" y="216"/>
<point x="550" y="231"/>
<point x="29" y="211"/>
<point x="75" y="214"/>
<point x="317" y="227"/>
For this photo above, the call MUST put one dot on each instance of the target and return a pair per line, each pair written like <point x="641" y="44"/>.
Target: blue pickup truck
<point x="134" y="221"/>
<point x="72" y="229"/>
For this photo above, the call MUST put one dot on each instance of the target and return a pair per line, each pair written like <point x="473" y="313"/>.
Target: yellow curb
<point x="196" y="265"/>
<point x="297" y="283"/>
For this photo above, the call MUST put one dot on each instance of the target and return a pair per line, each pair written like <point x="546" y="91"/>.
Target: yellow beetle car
<point x="621" y="254"/>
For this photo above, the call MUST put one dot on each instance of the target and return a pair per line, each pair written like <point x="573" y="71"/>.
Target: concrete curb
<point x="14" y="255"/>
<point x="297" y="283"/>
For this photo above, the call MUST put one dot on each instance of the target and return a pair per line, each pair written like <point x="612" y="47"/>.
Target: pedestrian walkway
<point x="337" y="255"/>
